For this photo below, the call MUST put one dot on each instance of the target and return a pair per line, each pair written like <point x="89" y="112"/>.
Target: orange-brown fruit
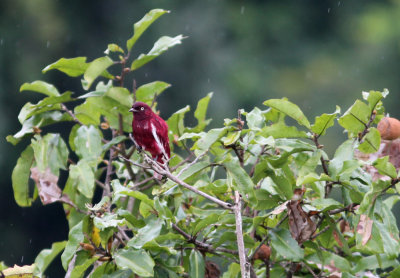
<point x="263" y="253"/>
<point x="389" y="128"/>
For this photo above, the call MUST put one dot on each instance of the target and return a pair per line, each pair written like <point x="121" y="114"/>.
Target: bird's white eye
<point x="142" y="108"/>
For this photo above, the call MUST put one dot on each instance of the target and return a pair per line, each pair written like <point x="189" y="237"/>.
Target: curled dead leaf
<point x="46" y="182"/>
<point x="212" y="270"/>
<point x="364" y="228"/>
<point x="300" y="224"/>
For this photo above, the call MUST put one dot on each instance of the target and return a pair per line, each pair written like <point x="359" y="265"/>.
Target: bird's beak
<point x="132" y="110"/>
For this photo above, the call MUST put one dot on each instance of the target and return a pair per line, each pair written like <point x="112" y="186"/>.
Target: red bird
<point x="150" y="131"/>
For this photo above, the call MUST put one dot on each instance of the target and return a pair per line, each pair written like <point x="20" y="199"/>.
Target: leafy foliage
<point x="124" y="222"/>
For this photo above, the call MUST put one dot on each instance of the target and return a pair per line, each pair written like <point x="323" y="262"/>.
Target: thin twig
<point x="266" y="238"/>
<point x="71" y="266"/>
<point x="71" y="114"/>
<point x="190" y="164"/>
<point x="123" y="148"/>
<point x="107" y="187"/>
<point x="204" y="246"/>
<point x="324" y="229"/>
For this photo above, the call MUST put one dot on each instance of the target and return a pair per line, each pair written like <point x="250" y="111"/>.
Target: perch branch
<point x="244" y="264"/>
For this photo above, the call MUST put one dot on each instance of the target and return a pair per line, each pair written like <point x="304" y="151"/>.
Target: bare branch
<point x="244" y="264"/>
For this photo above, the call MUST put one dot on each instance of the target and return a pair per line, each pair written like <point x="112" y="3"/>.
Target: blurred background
<point x="317" y="53"/>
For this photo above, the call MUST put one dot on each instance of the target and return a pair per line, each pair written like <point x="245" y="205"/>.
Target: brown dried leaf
<point x="279" y="209"/>
<point x="364" y="228"/>
<point x="212" y="270"/>
<point x="46" y="182"/>
<point x="300" y="224"/>
<point x="337" y="238"/>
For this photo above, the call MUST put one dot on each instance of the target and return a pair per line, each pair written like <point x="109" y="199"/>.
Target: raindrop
<point x="329" y="10"/>
<point x="383" y="58"/>
<point x="208" y="80"/>
<point x="1" y="42"/>
<point x="48" y="44"/>
<point x="22" y="259"/>
<point x="338" y="3"/>
<point x="242" y="10"/>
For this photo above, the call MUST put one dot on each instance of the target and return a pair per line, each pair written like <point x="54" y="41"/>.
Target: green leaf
<point x="390" y="245"/>
<point x="147" y="233"/>
<point x="276" y="178"/>
<point x="325" y="121"/>
<point x="20" y="178"/>
<point x="112" y="47"/>
<point x="121" y="95"/>
<point x="95" y="69"/>
<point x="242" y="180"/>
<point x="146" y="92"/>
<point x="290" y="109"/>
<point x="73" y="67"/>
<point x="119" y="191"/>
<point x="101" y="90"/>
<point x="176" y="123"/>
<point x="373" y="98"/>
<point x="197" y="264"/>
<point x="356" y="117"/>
<point x="141" y="26"/>
<point x="212" y="136"/>
<point x="138" y="261"/>
<point x="322" y="204"/>
<point x="159" y="47"/>
<point x="75" y="236"/>
<point x="80" y="269"/>
<point x="233" y="271"/>
<point x="88" y="143"/>
<point x="40" y="87"/>
<point x="128" y="216"/>
<point x="280" y="130"/>
<point x="200" y="113"/>
<point x="46" y="256"/>
<point x="283" y="243"/>
<point x="103" y="270"/>
<point x="162" y="209"/>
<point x="88" y="112"/>
<point x="51" y="152"/>
<point x="47" y="104"/>
<point x="114" y="141"/>
<point x="371" y="142"/>
<point x="203" y="223"/>
<point x="385" y="167"/>
<point x="255" y="119"/>
<point x="108" y="220"/>
<point x="37" y="121"/>
<point x="82" y="177"/>
<point x="231" y="138"/>
<point x="127" y="273"/>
